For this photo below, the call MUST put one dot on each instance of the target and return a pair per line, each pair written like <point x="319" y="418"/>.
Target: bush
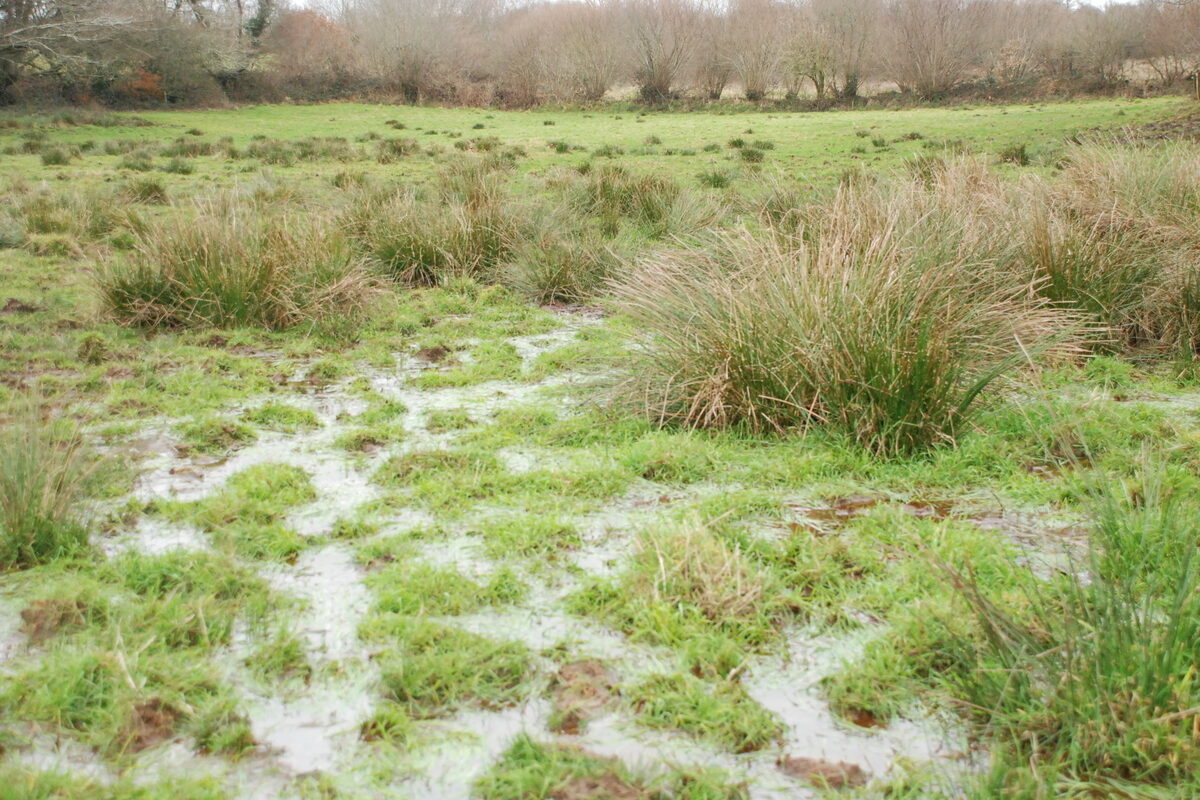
<point x="231" y="264"/>
<point x="1015" y="154"/>
<point x="179" y="166"/>
<point x="1135" y="211"/>
<point x="146" y="190"/>
<point x="45" y="473"/>
<point x="56" y="157"/>
<point x="875" y="321"/>
<point x="138" y="161"/>
<point x="716" y="179"/>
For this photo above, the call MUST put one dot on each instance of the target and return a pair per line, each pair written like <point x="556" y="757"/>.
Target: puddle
<point x="330" y="583"/>
<point x="316" y="731"/>
<point x="473" y="741"/>
<point x="12" y="640"/>
<point x="154" y="536"/>
<point x="789" y="686"/>
<point x="1047" y="545"/>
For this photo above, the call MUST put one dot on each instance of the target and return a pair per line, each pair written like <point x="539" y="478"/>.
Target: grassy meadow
<point x="358" y="451"/>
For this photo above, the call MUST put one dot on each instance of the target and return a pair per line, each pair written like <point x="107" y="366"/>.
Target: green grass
<point x="688" y="589"/>
<point x="139" y="630"/>
<point x="415" y="589"/>
<point x="431" y="670"/>
<point x="1094" y="683"/>
<point x="530" y="770"/>
<point x="247" y="515"/>
<point x="722" y="713"/>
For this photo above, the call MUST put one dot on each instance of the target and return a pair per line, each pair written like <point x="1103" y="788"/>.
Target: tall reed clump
<point x="465" y="229"/>
<point x="1093" y="687"/>
<point x="46" y="470"/>
<point x="560" y="258"/>
<point x="656" y="206"/>
<point x="1118" y="235"/>
<point x="230" y="263"/>
<point x="881" y="315"/>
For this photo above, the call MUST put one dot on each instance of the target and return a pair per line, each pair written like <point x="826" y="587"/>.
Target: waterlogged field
<point x="599" y="455"/>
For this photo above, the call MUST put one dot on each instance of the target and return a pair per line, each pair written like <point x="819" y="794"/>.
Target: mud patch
<point x="43" y="619"/>
<point x="151" y="722"/>
<point x="433" y="355"/>
<point x="15" y="306"/>
<point x="823" y="774"/>
<point x="581" y="689"/>
<point x="604" y="787"/>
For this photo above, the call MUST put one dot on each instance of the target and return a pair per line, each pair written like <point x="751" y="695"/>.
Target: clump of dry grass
<point x="1128" y="220"/>
<point x="884" y="313"/>
<point x="691" y="567"/>
<point x="232" y="264"/>
<point x="466" y="230"/>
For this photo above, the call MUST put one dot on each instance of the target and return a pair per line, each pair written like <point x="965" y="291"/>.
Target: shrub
<point x="657" y="206"/>
<point x="751" y="155"/>
<point x="146" y="190"/>
<point x="12" y="232"/>
<point x="138" y="161"/>
<point x="56" y="157"/>
<point x="231" y="264"/>
<point x="187" y="148"/>
<point x="848" y="325"/>
<point x="1015" y="154"/>
<point x="46" y="470"/>
<point x="1136" y="212"/>
<point x="715" y="179"/>
<point x="179" y="166"/>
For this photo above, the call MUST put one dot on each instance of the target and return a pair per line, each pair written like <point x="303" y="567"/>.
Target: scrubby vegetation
<point x="473" y="461"/>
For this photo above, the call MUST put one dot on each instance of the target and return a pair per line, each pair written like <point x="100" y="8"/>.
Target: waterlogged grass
<point x="930" y="542"/>
<point x="432" y="670"/>
<point x="416" y="589"/>
<point x="534" y="771"/>
<point x="246" y="517"/>
<point x="47" y="471"/>
<point x="689" y="590"/>
<point x="129" y="653"/>
<point x="721" y="712"/>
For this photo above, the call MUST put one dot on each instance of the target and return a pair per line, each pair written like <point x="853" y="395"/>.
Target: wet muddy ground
<point x="313" y="729"/>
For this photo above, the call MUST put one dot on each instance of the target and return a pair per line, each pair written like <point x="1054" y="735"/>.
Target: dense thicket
<point x="517" y="54"/>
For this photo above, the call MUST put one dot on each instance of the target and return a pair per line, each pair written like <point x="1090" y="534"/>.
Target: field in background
<point x="815" y="147"/>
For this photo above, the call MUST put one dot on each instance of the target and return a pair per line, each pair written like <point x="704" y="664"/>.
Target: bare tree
<point x="661" y="35"/>
<point x="931" y="43"/>
<point x="407" y="43"/>
<point x="758" y="45"/>
<point x="1172" y="40"/>
<point x="850" y="27"/>
<point x="582" y="54"/>
<point x="713" y="62"/>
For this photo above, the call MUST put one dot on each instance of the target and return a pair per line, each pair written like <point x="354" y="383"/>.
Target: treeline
<point x="491" y="52"/>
